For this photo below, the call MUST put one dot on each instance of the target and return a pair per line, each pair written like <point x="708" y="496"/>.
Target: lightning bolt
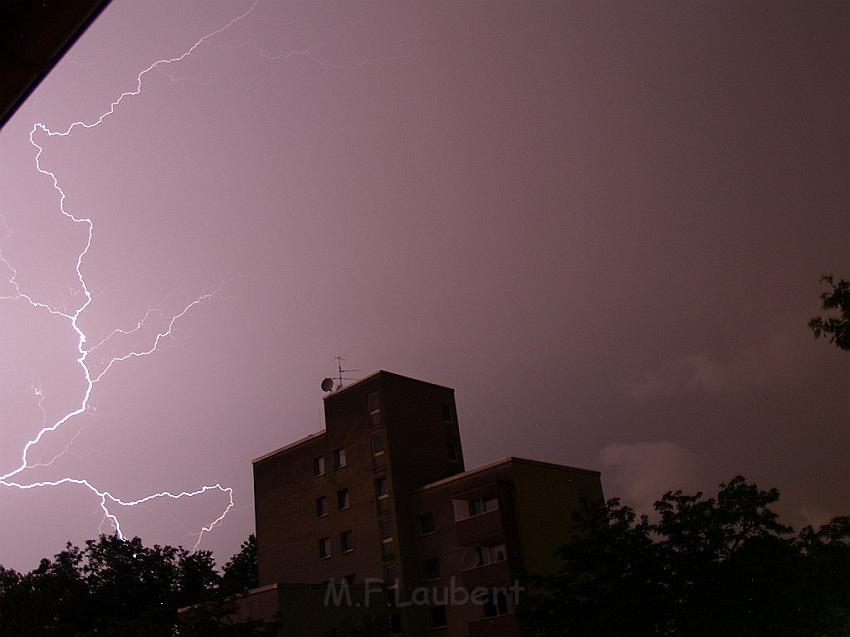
<point x="12" y="478"/>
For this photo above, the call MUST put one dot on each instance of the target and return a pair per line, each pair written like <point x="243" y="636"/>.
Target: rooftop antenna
<point x="328" y="383"/>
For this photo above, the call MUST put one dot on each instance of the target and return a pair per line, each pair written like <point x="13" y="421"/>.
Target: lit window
<point x="321" y="506"/>
<point x="339" y="458"/>
<point x="325" y="548"/>
<point x="346" y="542"/>
<point x="438" y="617"/>
<point x="319" y="466"/>
<point x="343" y="500"/>
<point x="377" y="443"/>
<point x="426" y="523"/>
<point x="431" y="568"/>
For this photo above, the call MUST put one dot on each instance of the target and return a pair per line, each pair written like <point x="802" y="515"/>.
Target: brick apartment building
<point x="383" y="495"/>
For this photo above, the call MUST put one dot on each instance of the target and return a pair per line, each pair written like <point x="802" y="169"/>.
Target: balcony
<point x="500" y="626"/>
<point x="479" y="527"/>
<point x="490" y="575"/>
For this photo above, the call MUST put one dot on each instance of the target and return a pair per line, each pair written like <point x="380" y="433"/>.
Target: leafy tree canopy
<point x="723" y="565"/>
<point x="116" y="586"/>
<point x="834" y="328"/>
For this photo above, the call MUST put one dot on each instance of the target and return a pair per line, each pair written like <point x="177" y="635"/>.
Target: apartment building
<point x="380" y="503"/>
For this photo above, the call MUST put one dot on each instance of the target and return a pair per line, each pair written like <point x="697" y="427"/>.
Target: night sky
<point x="602" y="223"/>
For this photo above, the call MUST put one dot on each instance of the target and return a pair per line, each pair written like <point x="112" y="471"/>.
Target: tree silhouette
<point x="116" y="586"/>
<point x="836" y="329"/>
<point x="240" y="573"/>
<point x="708" y="566"/>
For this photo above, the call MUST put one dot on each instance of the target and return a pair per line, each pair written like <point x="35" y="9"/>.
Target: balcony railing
<point x="499" y="626"/>
<point x="479" y="527"/>
<point x="490" y="575"/>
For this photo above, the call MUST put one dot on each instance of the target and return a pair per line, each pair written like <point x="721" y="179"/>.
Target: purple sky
<point x="601" y="223"/>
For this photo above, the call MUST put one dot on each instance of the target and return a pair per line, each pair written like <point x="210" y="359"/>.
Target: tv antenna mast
<point x="328" y="383"/>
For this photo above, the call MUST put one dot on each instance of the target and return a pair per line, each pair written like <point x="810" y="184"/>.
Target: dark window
<point x="432" y="568"/>
<point x="386" y="529"/>
<point x="584" y="504"/>
<point x="349" y="579"/>
<point x="339" y="458"/>
<point x="321" y="506"/>
<point x="325" y="548"/>
<point x="377" y="443"/>
<point x="394" y="623"/>
<point x="390" y="575"/>
<point x="387" y="551"/>
<point x="343" y="501"/>
<point x="488" y="554"/>
<point x="319" y="466"/>
<point x="381" y="488"/>
<point x="451" y="450"/>
<point x="447" y="413"/>
<point x="346" y="542"/>
<point x="498" y="604"/>
<point x="426" y="523"/>
<point x="438" y="617"/>
<point x="483" y="505"/>
<point x="374" y="402"/>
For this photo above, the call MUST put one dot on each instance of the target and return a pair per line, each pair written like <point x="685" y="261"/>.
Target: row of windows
<point x="343" y="501"/>
<point x="377" y="439"/>
<point x="493" y="607"/>
<point x="473" y="558"/>
<point x="339" y="462"/>
<point x="340" y="459"/>
<point x="343" y="497"/>
<point x="346" y="544"/>
<point x="346" y="540"/>
<point x="464" y="509"/>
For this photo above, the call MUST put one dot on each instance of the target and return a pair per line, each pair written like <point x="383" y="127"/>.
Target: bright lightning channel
<point x="107" y="499"/>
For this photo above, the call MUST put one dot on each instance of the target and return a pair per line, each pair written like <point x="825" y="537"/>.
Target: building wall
<point x="416" y="436"/>
<point x="537" y="502"/>
<point x="419" y="425"/>
<point x="547" y="498"/>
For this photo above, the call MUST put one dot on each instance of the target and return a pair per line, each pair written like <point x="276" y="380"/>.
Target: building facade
<point x="379" y="506"/>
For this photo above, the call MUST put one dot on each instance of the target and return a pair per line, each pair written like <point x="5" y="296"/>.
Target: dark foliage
<point x="240" y="573"/>
<point x="117" y="586"/>
<point x="834" y="328"/>
<point x="706" y="567"/>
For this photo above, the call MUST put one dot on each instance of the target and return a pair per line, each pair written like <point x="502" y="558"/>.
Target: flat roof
<point x="498" y="463"/>
<point x="382" y="372"/>
<point x="291" y="445"/>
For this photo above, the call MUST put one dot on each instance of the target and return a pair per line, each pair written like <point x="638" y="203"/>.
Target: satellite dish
<point x="328" y="384"/>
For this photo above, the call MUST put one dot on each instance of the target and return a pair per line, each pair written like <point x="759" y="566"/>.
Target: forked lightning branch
<point x="16" y="477"/>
